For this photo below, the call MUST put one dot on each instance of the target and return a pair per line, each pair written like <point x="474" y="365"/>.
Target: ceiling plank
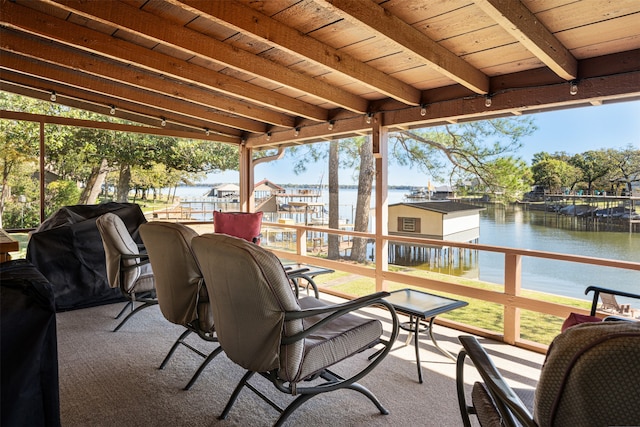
<point x="92" y="41"/>
<point x="148" y="25"/>
<point x="92" y="124"/>
<point x="403" y="34"/>
<point x="49" y="52"/>
<point x="118" y="93"/>
<point x="79" y="98"/>
<point x="247" y="20"/>
<point x="518" y="21"/>
<point x="101" y="108"/>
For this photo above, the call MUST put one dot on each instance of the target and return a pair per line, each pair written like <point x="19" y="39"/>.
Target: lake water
<point x="519" y="228"/>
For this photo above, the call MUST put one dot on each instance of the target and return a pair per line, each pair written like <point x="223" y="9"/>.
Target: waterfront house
<point x="443" y="220"/>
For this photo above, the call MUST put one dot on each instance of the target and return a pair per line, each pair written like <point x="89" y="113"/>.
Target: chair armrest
<point x="144" y="259"/>
<point x="337" y="310"/>
<point x="507" y="402"/>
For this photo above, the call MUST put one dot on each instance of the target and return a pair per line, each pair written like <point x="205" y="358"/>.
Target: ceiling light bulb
<point x="423" y="111"/>
<point x="268" y="136"/>
<point x="296" y="132"/>
<point x="53" y="96"/>
<point x="487" y="101"/>
<point x="206" y="131"/>
<point x="573" y="89"/>
<point x="163" y="122"/>
<point x="331" y="123"/>
<point x="368" y="118"/>
<point x="112" y="111"/>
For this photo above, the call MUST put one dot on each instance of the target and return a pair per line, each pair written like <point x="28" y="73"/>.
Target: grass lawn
<point x="535" y="326"/>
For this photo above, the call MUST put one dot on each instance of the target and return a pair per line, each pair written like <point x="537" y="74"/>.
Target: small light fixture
<point x="112" y="110"/>
<point x="331" y="123"/>
<point x="487" y="101"/>
<point x="163" y="121"/>
<point x="53" y="96"/>
<point x="206" y="131"/>
<point x="423" y="110"/>
<point x="368" y="118"/>
<point x="296" y="132"/>
<point x="573" y="89"/>
<point x="268" y="136"/>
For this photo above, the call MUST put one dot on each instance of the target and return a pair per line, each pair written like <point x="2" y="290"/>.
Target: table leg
<point x="433" y="339"/>
<point x="416" y="342"/>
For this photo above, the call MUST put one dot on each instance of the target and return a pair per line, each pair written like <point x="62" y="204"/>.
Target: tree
<point x="554" y="174"/>
<point x="593" y="165"/>
<point x="363" y="204"/>
<point x="333" y="250"/>
<point x="471" y="150"/>
<point x="625" y="166"/>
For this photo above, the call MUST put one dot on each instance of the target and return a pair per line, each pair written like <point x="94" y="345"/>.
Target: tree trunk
<point x="123" y="184"/>
<point x="333" y="251"/>
<point x="93" y="188"/>
<point x="363" y="204"/>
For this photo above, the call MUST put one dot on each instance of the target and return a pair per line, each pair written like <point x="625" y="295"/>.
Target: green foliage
<point x="61" y="193"/>
<point x="476" y="150"/>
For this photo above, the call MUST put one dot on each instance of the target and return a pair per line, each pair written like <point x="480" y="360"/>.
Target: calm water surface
<point x="519" y="228"/>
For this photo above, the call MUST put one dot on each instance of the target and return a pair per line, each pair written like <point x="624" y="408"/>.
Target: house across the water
<point x="442" y="220"/>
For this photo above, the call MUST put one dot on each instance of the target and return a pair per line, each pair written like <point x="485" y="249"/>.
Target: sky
<point x="574" y="130"/>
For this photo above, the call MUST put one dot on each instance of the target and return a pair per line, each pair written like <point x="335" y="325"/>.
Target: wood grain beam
<point x="90" y="64"/>
<point x="151" y="27"/>
<point x="250" y="21"/>
<point x="518" y="21"/>
<point x="120" y="127"/>
<point x="403" y="34"/>
<point x="34" y="22"/>
<point x="83" y="85"/>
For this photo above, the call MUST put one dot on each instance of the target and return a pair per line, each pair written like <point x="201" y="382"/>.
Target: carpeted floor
<point x="112" y="379"/>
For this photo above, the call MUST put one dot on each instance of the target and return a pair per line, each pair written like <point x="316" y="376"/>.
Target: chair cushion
<point x="244" y="225"/>
<point x="576" y="318"/>
<point x="591" y="376"/>
<point x="330" y="344"/>
<point x="179" y="283"/>
<point x="116" y="241"/>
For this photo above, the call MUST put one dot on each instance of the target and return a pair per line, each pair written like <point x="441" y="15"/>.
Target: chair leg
<point x="179" y="341"/>
<point x="203" y="365"/>
<point x="140" y="307"/>
<point x="127" y="305"/>
<point x="235" y="394"/>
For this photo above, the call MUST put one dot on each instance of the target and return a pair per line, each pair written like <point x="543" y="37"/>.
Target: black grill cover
<point x="67" y="249"/>
<point x="29" y="356"/>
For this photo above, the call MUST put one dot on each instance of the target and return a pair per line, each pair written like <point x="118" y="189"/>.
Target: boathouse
<point x="443" y="220"/>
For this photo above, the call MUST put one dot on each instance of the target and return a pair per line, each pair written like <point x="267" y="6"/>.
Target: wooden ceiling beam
<point x="250" y="21"/>
<point x="408" y="37"/>
<point x="517" y="20"/>
<point x="78" y="98"/>
<point x="150" y="26"/>
<point x="100" y="108"/>
<point x="34" y="22"/>
<point x="119" y="127"/>
<point x="114" y="93"/>
<point x="52" y="53"/>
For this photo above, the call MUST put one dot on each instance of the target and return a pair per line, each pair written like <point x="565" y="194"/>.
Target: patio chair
<point x="182" y="295"/>
<point x="292" y="342"/>
<point x="127" y="268"/>
<point x="590" y="377"/>
<point x="610" y="304"/>
<point x="248" y="226"/>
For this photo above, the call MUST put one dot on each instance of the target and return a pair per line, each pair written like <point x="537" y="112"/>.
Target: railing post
<point x="301" y="242"/>
<point x="512" y="286"/>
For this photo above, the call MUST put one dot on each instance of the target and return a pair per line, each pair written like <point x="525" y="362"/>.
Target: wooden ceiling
<point x="279" y="72"/>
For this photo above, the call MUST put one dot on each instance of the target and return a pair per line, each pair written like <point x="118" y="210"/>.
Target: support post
<point x="512" y="288"/>
<point x="380" y="154"/>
